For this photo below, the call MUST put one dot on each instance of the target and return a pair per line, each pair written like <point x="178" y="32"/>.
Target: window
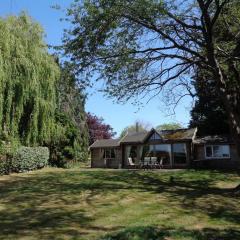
<point x="179" y="153"/>
<point x="109" y="153"/>
<point x="217" y="151"/>
<point x="160" y="152"/>
<point x="131" y="152"/>
<point x="155" y="136"/>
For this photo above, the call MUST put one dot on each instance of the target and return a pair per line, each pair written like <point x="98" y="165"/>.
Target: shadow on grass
<point x="186" y="188"/>
<point x="48" y="206"/>
<point x="145" y="233"/>
<point x="50" y="203"/>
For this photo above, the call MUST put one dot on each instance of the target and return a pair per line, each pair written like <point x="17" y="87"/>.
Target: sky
<point x="117" y="115"/>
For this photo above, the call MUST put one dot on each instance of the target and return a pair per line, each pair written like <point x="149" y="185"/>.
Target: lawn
<point x="119" y="205"/>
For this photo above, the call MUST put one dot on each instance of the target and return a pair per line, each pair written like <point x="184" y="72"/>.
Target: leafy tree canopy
<point x="40" y="103"/>
<point x="138" y="126"/>
<point x="146" y="47"/>
<point x="70" y="114"/>
<point x="143" y="47"/>
<point x="169" y="126"/>
<point x="28" y="77"/>
<point x="98" y="129"/>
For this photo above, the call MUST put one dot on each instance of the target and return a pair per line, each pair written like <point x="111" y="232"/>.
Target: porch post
<point x="171" y="156"/>
<point x="123" y="155"/>
<point x="138" y="154"/>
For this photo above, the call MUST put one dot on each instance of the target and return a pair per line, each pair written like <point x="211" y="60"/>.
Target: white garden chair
<point x="131" y="163"/>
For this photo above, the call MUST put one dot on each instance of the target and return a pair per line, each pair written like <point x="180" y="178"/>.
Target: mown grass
<point x="120" y="205"/>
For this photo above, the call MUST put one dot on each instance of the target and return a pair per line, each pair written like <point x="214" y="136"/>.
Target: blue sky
<point x="118" y="116"/>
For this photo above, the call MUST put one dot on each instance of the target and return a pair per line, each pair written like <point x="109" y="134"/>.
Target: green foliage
<point x="5" y="165"/>
<point x="34" y="90"/>
<point x="29" y="158"/>
<point x="137" y="127"/>
<point x="208" y="114"/>
<point x="144" y="47"/>
<point x="169" y="126"/>
<point x="28" y="76"/>
<point x="70" y="117"/>
<point x="148" y="48"/>
<point x="71" y="145"/>
<point x="104" y="40"/>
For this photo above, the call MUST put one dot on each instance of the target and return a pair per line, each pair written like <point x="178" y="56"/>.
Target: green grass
<point x="119" y="205"/>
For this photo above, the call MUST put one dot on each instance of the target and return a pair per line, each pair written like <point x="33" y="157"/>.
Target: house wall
<point x="229" y="163"/>
<point x="117" y="162"/>
<point x="97" y="160"/>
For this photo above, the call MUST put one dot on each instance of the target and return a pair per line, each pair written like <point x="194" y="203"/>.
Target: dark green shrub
<point x="71" y="146"/>
<point x="29" y="158"/>
<point x="5" y="165"/>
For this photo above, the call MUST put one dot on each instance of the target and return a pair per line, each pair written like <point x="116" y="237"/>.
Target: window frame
<point x="185" y="152"/>
<point x="111" y="153"/>
<point x="155" y="137"/>
<point x="218" y="145"/>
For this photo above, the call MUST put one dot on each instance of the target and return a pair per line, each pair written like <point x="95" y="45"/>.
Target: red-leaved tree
<point x="98" y="129"/>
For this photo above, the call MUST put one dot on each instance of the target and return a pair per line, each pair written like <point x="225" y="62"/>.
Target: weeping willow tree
<point x="28" y="77"/>
<point x="40" y="103"/>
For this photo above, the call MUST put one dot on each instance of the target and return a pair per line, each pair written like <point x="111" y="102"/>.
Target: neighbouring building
<point x="179" y="148"/>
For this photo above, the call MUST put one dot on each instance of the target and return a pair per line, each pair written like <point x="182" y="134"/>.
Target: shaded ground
<point x="119" y="205"/>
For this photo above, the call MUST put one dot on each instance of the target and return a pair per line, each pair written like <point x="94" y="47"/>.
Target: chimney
<point x="137" y="127"/>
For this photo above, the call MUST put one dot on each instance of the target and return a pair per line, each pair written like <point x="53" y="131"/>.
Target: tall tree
<point x="98" y="129"/>
<point x="28" y="77"/>
<point x="147" y="46"/>
<point x="40" y="103"/>
<point x="70" y="115"/>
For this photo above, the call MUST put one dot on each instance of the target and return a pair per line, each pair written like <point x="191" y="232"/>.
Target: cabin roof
<point x="213" y="139"/>
<point x="136" y="137"/>
<point x="178" y="134"/>
<point x="140" y="137"/>
<point x="105" y="143"/>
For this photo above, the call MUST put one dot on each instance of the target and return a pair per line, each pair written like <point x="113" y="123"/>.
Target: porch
<point x="155" y="156"/>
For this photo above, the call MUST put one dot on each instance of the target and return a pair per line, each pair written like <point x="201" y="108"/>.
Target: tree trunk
<point x="234" y="122"/>
<point x="230" y="90"/>
<point x="232" y="103"/>
<point x="231" y="98"/>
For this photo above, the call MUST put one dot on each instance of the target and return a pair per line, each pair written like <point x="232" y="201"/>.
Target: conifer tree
<point x="208" y="113"/>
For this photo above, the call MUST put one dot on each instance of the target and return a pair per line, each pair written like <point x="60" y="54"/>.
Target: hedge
<point x="4" y="165"/>
<point x="29" y="158"/>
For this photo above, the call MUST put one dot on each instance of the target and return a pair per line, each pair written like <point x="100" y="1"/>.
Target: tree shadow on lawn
<point x="220" y="203"/>
<point x="154" y="233"/>
<point x="150" y="181"/>
<point x="42" y="203"/>
<point x="45" y="223"/>
<point x="46" y="206"/>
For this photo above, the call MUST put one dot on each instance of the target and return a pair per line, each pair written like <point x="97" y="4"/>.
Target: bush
<point x="5" y="165"/>
<point x="29" y="158"/>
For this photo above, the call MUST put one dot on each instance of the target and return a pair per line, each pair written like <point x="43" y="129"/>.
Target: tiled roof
<point x="178" y="134"/>
<point x="105" y="143"/>
<point x="213" y="139"/>
<point x="134" y="137"/>
<point x="141" y="137"/>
